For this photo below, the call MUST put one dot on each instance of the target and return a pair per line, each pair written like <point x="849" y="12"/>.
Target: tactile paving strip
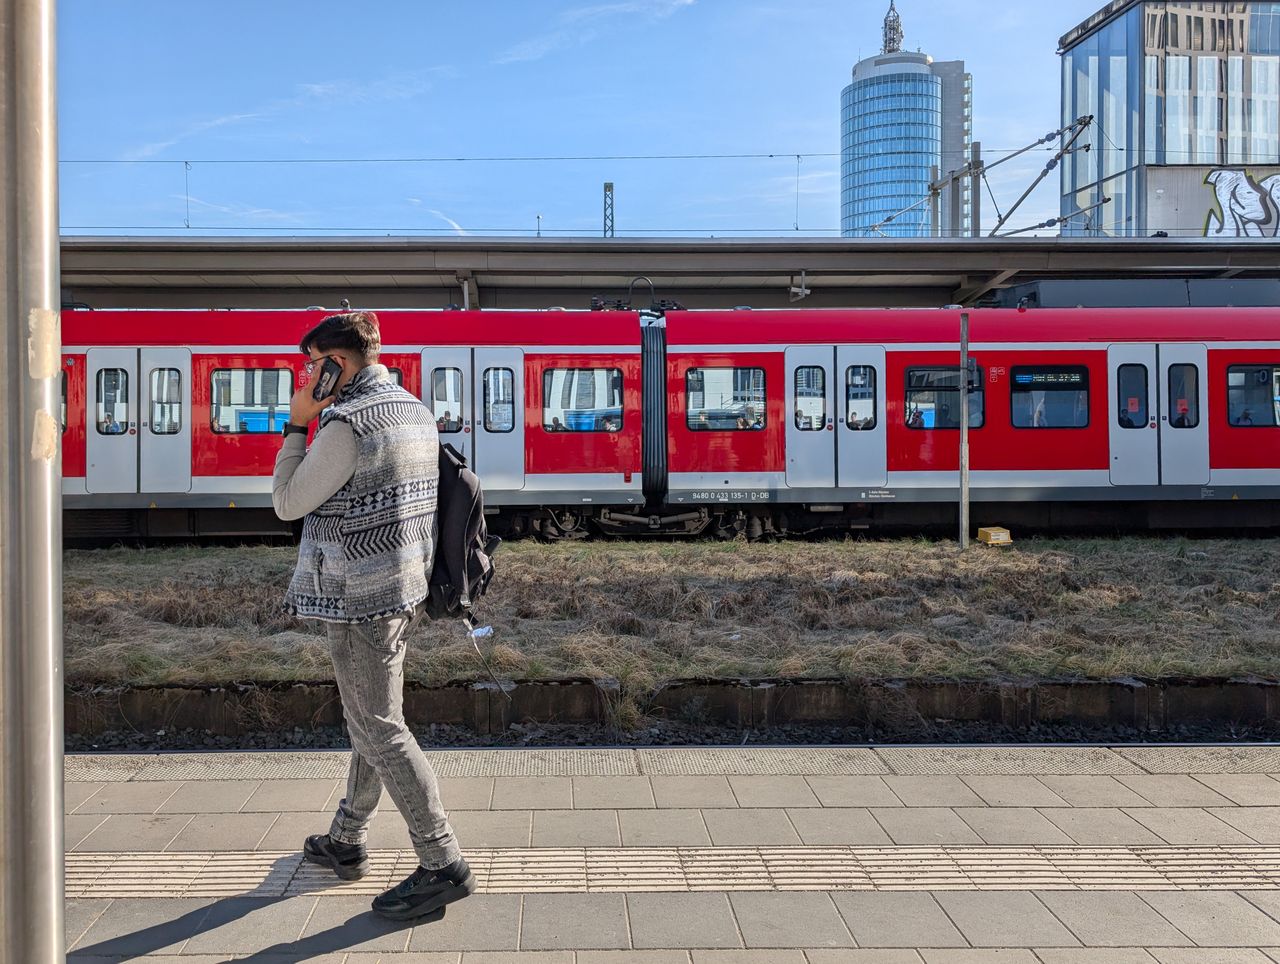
<point x="1204" y="759"/>
<point x="761" y="760"/>
<point x="685" y="869"/>
<point x="1005" y="760"/>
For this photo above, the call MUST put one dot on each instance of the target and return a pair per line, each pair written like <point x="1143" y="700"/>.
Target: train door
<point x="164" y="432"/>
<point x="498" y="404"/>
<point x="1133" y="380"/>
<point x="810" y="414"/>
<point x="860" y="430"/>
<point x="112" y="429"/>
<point x="446" y="389"/>
<point x="1184" y="421"/>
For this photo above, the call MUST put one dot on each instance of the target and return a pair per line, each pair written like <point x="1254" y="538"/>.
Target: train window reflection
<point x="724" y="399"/>
<point x="811" y="398"/>
<point x="113" y="401"/>
<point x="166" y="401"/>
<point x="446" y="399"/>
<point x="499" y="400"/>
<point x="933" y="398"/>
<point x="860" y="397"/>
<point x="1131" y="396"/>
<point x="1184" y="396"/>
<point x="250" y="401"/>
<point x="397" y="376"/>
<point x="582" y="400"/>
<point x="1044" y="396"/>
<point x="1253" y="395"/>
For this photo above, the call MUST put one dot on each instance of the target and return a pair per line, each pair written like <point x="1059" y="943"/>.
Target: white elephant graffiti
<point x="1244" y="207"/>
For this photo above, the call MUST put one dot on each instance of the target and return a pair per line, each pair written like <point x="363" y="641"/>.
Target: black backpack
<point x="464" y="549"/>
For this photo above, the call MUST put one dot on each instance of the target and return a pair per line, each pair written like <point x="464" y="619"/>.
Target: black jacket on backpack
<point x="463" y="564"/>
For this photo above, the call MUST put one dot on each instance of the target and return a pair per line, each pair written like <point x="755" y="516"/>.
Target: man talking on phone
<point x="367" y="490"/>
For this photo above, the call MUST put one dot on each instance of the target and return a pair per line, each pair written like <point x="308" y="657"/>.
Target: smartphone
<point x="327" y="381"/>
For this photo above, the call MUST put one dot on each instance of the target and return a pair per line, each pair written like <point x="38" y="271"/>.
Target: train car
<point x="722" y="421"/>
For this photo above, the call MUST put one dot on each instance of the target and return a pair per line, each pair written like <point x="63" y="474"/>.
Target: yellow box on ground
<point x="995" y="536"/>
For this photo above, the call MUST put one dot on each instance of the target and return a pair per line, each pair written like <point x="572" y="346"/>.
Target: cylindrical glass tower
<point x="891" y="140"/>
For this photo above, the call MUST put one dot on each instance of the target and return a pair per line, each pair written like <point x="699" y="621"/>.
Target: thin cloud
<point x="237" y="210"/>
<point x="457" y="228"/>
<point x="576" y="30"/>
<point x="157" y="147"/>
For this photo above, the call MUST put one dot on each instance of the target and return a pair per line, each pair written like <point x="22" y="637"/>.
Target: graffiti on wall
<point x="1243" y="207"/>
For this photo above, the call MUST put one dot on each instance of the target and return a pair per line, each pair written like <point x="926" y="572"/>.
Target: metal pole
<point x="956" y="228"/>
<point x="31" y="882"/>
<point x="964" y="430"/>
<point x="975" y="190"/>
<point x="935" y="200"/>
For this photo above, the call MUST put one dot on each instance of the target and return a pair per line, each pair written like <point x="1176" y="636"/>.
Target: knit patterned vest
<point x="367" y="552"/>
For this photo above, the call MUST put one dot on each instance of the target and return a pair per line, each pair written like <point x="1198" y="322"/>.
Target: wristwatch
<point x="291" y="429"/>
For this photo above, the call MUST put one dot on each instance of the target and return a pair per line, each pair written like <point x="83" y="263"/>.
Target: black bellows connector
<point x="653" y="367"/>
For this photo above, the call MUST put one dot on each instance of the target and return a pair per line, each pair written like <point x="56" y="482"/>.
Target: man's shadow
<point x="211" y="917"/>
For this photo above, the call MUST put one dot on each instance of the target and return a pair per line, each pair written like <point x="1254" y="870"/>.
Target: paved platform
<point x="750" y="855"/>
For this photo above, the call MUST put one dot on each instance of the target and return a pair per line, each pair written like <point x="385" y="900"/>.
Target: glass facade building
<point x="1186" y="104"/>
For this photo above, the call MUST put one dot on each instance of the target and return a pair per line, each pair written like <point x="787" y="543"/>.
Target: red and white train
<point x="720" y="421"/>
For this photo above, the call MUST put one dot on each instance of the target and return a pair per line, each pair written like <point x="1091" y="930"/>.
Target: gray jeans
<point x="368" y="662"/>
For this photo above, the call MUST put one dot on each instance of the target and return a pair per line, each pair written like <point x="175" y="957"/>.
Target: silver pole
<point x="964" y="430"/>
<point x="31" y="883"/>
<point x="935" y="210"/>
<point x="975" y="190"/>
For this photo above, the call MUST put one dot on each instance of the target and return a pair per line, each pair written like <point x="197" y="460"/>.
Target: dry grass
<point x="646" y="613"/>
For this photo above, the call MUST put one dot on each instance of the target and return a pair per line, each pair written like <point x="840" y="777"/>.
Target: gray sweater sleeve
<point x="305" y="478"/>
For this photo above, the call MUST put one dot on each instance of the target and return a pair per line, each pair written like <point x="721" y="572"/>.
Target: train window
<point x="113" y="401"/>
<point x="1253" y="395"/>
<point x="499" y="400"/>
<point x="166" y="401"/>
<point x="811" y="398"/>
<point x="1131" y="396"/>
<point x="1044" y="396"/>
<point x="724" y="399"/>
<point x="1184" y="396"/>
<point x="933" y="398"/>
<point x="582" y="400"/>
<point x="251" y="401"/>
<point x="64" y="400"/>
<point x="860" y="397"/>
<point x="397" y="376"/>
<point x="446" y="399"/>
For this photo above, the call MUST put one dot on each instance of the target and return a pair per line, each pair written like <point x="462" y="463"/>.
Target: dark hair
<point x="354" y="331"/>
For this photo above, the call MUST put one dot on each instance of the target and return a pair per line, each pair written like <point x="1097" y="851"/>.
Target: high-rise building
<point x="902" y="119"/>
<point x="1185" y="98"/>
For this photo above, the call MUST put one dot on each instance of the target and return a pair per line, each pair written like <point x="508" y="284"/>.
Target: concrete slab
<point x="574" y="922"/>
<point x="1174" y="790"/>
<point x="663" y="828"/>
<point x="933" y="791"/>
<point x="135" y="831"/>
<point x="897" y="920"/>
<point x="789" y="920"/>
<point x="1216" y="919"/>
<point x="633" y="957"/>
<point x="692" y="792"/>
<point x="1094" y="955"/>
<point x="465" y="793"/>
<point x="872" y="956"/>
<point x="223" y="831"/>
<point x="916" y="826"/>
<point x="1244" y="789"/>
<point x="1101" y="827"/>
<point x="137" y="927"/>
<point x="276" y="796"/>
<point x="290" y="829"/>
<point x="1187" y="827"/>
<point x="752" y="791"/>
<point x="1093" y="791"/>
<point x="682" y="920"/>
<point x="479" y="828"/>
<point x="747" y="957"/>
<point x="1004" y="955"/>
<point x="852" y="792"/>
<point x="837" y="825"/>
<point x="1209" y="955"/>
<point x="749" y="828"/>
<point x="76" y="827"/>
<point x="1004" y="919"/>
<point x="347" y="924"/>
<point x="482" y="922"/>
<point x="129" y="798"/>
<point x="612" y="793"/>
<point x="1012" y="826"/>
<point x="1013" y="792"/>
<point x="243" y="925"/>
<point x="532" y="793"/>
<point x="74" y="794"/>
<point x="1260" y="823"/>
<point x="576" y="828"/>
<point x="79" y="915"/>
<point x="211" y="796"/>
<point x="1112" y="919"/>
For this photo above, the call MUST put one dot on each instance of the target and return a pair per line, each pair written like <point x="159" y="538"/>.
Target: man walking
<point x="367" y="487"/>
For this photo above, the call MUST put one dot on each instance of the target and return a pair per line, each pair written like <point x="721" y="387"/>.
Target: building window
<point x="250" y="401"/>
<point x="860" y="397"/>
<point x="933" y="398"/>
<point x="1184" y="396"/>
<point x="1253" y="395"/>
<point x="811" y="398"/>
<point x="582" y="400"/>
<point x="499" y="400"/>
<point x="446" y="399"/>
<point x="1044" y="396"/>
<point x="724" y="399"/>
<point x="113" y="401"/>
<point x="1264" y="105"/>
<point x="1177" y="124"/>
<point x="166" y="401"/>
<point x="397" y="376"/>
<point x="1131" y="396"/>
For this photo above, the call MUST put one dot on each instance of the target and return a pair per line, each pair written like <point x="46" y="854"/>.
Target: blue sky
<point x="154" y="83"/>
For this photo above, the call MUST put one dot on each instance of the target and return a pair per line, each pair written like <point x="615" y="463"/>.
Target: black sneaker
<point x="349" y="861"/>
<point x="426" y="891"/>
